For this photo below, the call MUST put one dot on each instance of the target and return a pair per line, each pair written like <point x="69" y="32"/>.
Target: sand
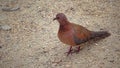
<point x="28" y="36"/>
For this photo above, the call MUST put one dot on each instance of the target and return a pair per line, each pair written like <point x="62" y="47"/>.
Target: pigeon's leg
<point x="78" y="49"/>
<point x="70" y="51"/>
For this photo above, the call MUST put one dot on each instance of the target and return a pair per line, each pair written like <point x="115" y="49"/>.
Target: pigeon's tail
<point x="100" y="34"/>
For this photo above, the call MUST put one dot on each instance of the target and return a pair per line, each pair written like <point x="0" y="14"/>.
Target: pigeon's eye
<point x="57" y="17"/>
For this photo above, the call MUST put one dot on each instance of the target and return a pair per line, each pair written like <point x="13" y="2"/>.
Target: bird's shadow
<point x="92" y="42"/>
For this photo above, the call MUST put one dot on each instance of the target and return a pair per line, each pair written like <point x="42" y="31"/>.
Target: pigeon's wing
<point x="81" y="34"/>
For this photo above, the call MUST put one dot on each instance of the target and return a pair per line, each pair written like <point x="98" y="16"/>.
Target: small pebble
<point x="5" y="27"/>
<point x="96" y="44"/>
<point x="111" y="61"/>
<point x="11" y="9"/>
<point x="0" y="46"/>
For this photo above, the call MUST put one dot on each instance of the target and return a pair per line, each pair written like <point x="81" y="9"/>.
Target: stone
<point x="5" y="27"/>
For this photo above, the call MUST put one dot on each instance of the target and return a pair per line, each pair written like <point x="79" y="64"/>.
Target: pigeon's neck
<point x="64" y="26"/>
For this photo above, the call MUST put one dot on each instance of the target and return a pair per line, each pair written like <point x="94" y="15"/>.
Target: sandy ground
<point x="28" y="34"/>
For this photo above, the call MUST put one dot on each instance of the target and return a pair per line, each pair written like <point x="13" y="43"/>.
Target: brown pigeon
<point x="73" y="34"/>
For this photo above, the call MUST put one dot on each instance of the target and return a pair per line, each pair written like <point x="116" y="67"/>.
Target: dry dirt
<point x="28" y="34"/>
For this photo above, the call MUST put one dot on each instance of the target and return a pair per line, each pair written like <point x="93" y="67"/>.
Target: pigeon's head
<point x="60" y="17"/>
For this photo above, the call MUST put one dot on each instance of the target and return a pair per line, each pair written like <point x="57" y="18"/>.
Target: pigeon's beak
<point x="54" y="19"/>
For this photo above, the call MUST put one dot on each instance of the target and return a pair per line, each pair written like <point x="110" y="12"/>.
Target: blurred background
<point x="28" y="34"/>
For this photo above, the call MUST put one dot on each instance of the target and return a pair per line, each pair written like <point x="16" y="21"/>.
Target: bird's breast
<point x="66" y="36"/>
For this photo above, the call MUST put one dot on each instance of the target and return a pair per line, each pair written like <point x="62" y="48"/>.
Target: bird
<point x="74" y="35"/>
